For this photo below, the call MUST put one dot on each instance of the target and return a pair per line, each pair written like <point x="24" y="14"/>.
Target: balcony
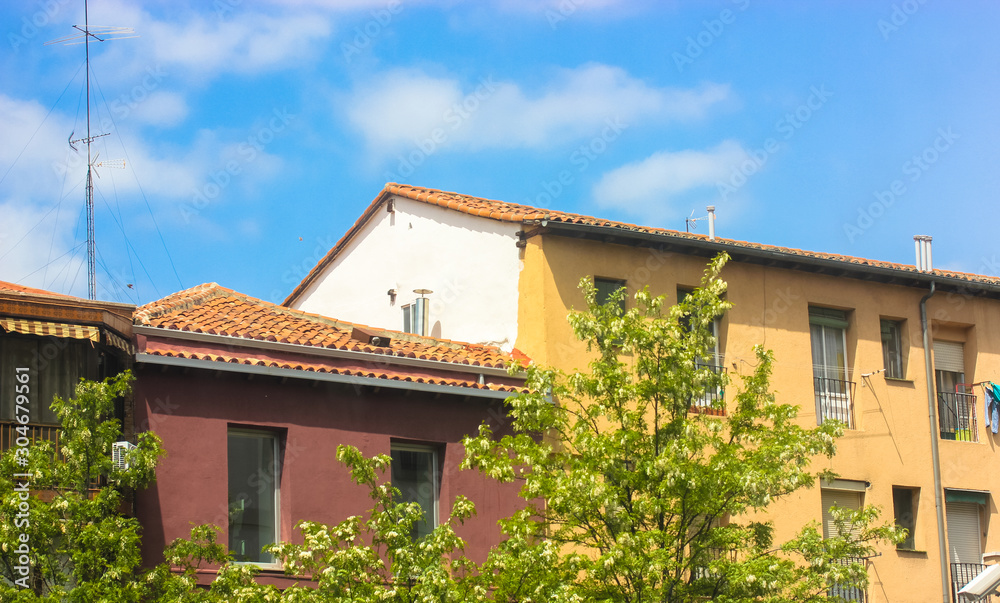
<point x="711" y="401"/>
<point x="849" y="593"/>
<point x="834" y="400"/>
<point x="36" y="433"/>
<point x="957" y="417"/>
<point x="962" y="574"/>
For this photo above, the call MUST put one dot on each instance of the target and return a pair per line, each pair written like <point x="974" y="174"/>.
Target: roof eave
<point x="331" y="255"/>
<point x="776" y="258"/>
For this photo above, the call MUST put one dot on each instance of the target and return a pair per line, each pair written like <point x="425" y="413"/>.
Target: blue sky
<point x="256" y="132"/>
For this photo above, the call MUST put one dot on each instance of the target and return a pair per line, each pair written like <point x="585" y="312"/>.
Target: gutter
<point x="296" y="348"/>
<point x="250" y="369"/>
<point x="935" y="456"/>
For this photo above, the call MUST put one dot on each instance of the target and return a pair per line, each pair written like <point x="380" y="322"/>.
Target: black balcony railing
<point x="957" y="415"/>
<point x="962" y="574"/>
<point x="846" y="592"/>
<point x="834" y="400"/>
<point x="710" y="402"/>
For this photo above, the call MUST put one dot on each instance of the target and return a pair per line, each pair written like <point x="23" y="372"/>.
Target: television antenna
<point x="100" y="33"/>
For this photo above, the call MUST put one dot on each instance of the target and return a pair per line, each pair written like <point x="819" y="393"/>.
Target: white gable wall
<point x="471" y="264"/>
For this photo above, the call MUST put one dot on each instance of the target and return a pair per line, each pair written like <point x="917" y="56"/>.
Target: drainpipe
<point x="935" y="457"/>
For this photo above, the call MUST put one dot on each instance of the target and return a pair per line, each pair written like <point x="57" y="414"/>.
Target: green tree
<point x="649" y="497"/>
<point x="62" y="509"/>
<point x="376" y="558"/>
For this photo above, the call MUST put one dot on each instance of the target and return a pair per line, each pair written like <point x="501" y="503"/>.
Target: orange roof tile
<point x="516" y="213"/>
<point x="216" y="310"/>
<point x="6" y="287"/>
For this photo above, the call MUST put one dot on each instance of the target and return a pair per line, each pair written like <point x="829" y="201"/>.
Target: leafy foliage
<point x="654" y="498"/>
<point x="638" y="488"/>
<point x="80" y="545"/>
<point x="376" y="558"/>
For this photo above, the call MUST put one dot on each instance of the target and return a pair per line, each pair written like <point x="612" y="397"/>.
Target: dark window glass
<point x="892" y="348"/>
<point x="414" y="474"/>
<point x="253" y="495"/>
<point x="904" y="509"/>
<point x="606" y="287"/>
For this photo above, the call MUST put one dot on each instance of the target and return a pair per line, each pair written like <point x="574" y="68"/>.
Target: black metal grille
<point x="957" y="415"/>
<point x="846" y="592"/>
<point x="962" y="574"/>
<point x="834" y="400"/>
<point x="709" y="402"/>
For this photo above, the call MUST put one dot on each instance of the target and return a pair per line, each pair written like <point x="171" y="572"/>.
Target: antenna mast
<point x="100" y="33"/>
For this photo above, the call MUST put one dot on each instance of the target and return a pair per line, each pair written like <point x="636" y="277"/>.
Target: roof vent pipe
<point x="711" y="222"/>
<point x="922" y="243"/>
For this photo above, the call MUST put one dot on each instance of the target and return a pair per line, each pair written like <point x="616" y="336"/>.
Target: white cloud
<point x="42" y="194"/>
<point x="400" y="109"/>
<point x="204" y="45"/>
<point x="653" y="186"/>
<point x="162" y="109"/>
<point x="37" y="249"/>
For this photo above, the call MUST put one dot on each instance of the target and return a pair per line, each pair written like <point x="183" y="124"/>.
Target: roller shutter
<point x="845" y="499"/>
<point x="949" y="356"/>
<point x="963" y="532"/>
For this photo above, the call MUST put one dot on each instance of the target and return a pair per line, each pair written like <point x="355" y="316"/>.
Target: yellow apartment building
<point x="904" y="355"/>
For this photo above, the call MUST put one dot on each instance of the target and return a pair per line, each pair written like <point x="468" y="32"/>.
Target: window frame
<point x="413" y="313"/>
<point x="435" y="452"/>
<point x="704" y="402"/>
<point x="276" y="437"/>
<point x="831" y="322"/>
<point x="616" y="283"/>
<point x="911" y="496"/>
<point x="895" y="368"/>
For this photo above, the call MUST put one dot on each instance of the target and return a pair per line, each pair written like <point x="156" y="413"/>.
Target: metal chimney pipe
<point x="711" y="222"/>
<point x="923" y="250"/>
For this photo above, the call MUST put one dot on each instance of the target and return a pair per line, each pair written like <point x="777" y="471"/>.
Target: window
<point x="55" y="366"/>
<point x="904" y="508"/>
<point x="712" y="360"/>
<point x="956" y="403"/>
<point x="254" y="478"/>
<point x="892" y="348"/>
<point x="415" y="475"/>
<point x="962" y="510"/>
<point x="844" y="494"/>
<point x="415" y="317"/>
<point x="606" y="288"/>
<point x="828" y="333"/>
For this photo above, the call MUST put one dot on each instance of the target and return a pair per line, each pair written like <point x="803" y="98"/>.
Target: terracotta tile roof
<point x="216" y="310"/>
<point x="512" y="212"/>
<point x="6" y="287"/>
<point x="516" y="213"/>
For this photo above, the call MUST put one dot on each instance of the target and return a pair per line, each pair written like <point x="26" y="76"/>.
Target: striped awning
<point x="50" y="329"/>
<point x="119" y="342"/>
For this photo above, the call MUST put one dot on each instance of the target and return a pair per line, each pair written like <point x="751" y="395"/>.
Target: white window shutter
<point x="845" y="499"/>
<point x="963" y="532"/>
<point x="949" y="356"/>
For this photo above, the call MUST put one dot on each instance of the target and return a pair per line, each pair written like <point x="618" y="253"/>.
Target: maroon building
<point x="252" y="399"/>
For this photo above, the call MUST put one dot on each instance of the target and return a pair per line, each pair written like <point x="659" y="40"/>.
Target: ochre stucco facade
<point x="890" y="442"/>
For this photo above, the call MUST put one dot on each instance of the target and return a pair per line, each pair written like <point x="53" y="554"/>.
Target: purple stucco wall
<point x="192" y="411"/>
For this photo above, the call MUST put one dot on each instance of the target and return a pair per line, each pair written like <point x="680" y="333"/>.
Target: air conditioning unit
<point x="120" y="454"/>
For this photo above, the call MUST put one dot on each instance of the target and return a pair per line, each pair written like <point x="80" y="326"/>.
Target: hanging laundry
<point x="992" y="404"/>
<point x="987" y="402"/>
